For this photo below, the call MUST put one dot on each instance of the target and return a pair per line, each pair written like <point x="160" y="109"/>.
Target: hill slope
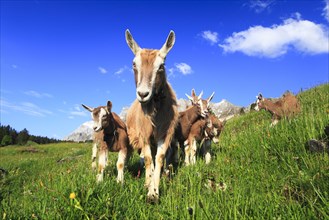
<point x="256" y="172"/>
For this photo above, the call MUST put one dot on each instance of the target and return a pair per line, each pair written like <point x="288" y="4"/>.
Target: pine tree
<point x="6" y="140"/>
<point x="23" y="137"/>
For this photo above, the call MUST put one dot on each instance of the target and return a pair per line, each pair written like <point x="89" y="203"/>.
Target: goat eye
<point x="134" y="65"/>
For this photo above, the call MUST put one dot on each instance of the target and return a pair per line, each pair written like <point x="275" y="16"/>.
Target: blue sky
<point x="56" y="55"/>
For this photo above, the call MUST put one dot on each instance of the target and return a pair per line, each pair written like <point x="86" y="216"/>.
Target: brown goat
<point x="153" y="116"/>
<point x="218" y="125"/>
<point x="218" y="128"/>
<point x="185" y="121"/>
<point x="204" y="104"/>
<point x="201" y="129"/>
<point x="287" y="106"/>
<point x="110" y="134"/>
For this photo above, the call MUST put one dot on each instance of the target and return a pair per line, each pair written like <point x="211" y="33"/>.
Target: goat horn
<point x="189" y="97"/>
<point x="210" y="98"/>
<point x="88" y="108"/>
<point x="199" y="97"/>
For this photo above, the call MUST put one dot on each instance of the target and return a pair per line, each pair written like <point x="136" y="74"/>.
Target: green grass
<point x="268" y="172"/>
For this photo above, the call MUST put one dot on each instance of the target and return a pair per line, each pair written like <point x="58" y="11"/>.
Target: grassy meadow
<point x="257" y="172"/>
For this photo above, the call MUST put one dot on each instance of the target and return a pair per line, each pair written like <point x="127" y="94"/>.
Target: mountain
<point x="224" y="110"/>
<point x="82" y="133"/>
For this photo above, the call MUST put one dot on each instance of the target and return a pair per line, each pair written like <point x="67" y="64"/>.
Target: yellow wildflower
<point x="72" y="195"/>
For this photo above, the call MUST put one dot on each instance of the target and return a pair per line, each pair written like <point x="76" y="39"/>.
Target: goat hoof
<point x="120" y="181"/>
<point x="152" y="198"/>
<point x="99" y="178"/>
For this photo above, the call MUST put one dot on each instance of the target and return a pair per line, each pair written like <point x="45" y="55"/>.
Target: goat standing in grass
<point x="153" y="116"/>
<point x="197" y="130"/>
<point x="185" y="121"/>
<point x="201" y="131"/>
<point x="110" y="134"/>
<point x="287" y="106"/>
<point x="213" y="136"/>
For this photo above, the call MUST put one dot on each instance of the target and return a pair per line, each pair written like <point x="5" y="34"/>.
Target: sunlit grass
<point x="267" y="172"/>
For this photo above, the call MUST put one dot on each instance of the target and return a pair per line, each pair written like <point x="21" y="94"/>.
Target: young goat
<point x="152" y="118"/>
<point x="206" y="146"/>
<point x="201" y="131"/>
<point x="185" y="121"/>
<point x="110" y="134"/>
<point x="286" y="106"/>
<point x="190" y="147"/>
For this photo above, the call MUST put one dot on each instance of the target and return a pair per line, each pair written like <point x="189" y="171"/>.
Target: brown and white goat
<point x="214" y="136"/>
<point x="287" y="106"/>
<point x="201" y="130"/>
<point x="110" y="134"/>
<point x="153" y="116"/>
<point x="185" y="121"/>
<point x="204" y="104"/>
<point x="189" y="147"/>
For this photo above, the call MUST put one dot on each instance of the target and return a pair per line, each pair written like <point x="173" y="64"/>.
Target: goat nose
<point x="143" y="94"/>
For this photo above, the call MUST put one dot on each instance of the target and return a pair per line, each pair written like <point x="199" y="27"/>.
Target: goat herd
<point x="154" y="127"/>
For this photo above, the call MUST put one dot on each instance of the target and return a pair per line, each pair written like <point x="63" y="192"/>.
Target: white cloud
<point x="102" y="70"/>
<point x="37" y="94"/>
<point x="121" y="70"/>
<point x="302" y="35"/>
<point x="260" y="5"/>
<point x="77" y="108"/>
<point x="212" y="37"/>
<point x="183" y="68"/>
<point x="171" y="72"/>
<point x="76" y="111"/>
<point x="325" y="12"/>
<point x="26" y="108"/>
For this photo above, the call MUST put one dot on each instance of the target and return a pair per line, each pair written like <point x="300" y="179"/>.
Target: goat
<point x="110" y="134"/>
<point x="218" y="125"/>
<point x="204" y="105"/>
<point x="201" y="130"/>
<point x="286" y="106"/>
<point x="218" y="128"/>
<point x="153" y="116"/>
<point x="185" y="121"/>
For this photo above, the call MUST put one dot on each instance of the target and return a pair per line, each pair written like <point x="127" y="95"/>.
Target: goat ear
<point x="88" y="108"/>
<point x="168" y="45"/>
<point x="260" y="96"/>
<point x="210" y="98"/>
<point x="109" y="106"/>
<point x="200" y="96"/>
<point x="132" y="43"/>
<point x="193" y="93"/>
